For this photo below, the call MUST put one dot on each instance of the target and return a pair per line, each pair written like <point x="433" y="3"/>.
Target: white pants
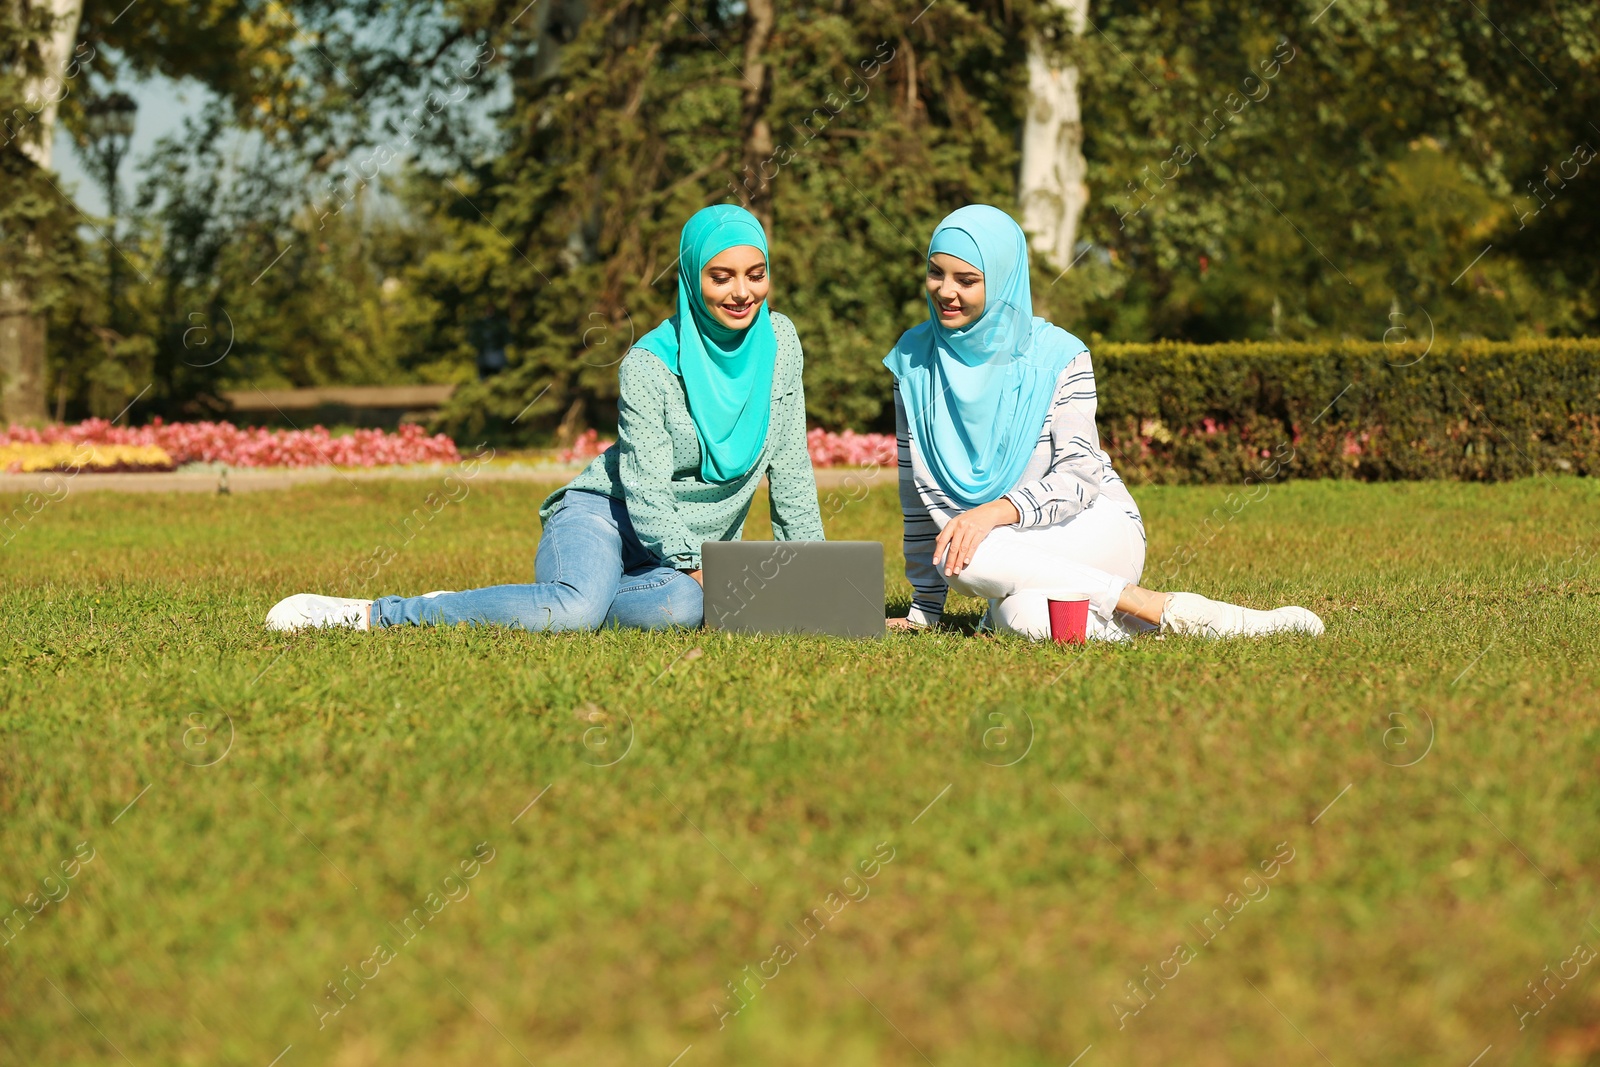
<point x="1098" y="553"/>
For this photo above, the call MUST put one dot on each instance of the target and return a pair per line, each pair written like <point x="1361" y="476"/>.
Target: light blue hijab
<point x="977" y="397"/>
<point x="727" y="374"/>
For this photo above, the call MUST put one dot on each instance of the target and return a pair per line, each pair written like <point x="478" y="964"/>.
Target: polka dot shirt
<point x="654" y="467"/>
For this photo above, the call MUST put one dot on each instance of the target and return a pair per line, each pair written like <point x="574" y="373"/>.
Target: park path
<point x="245" y="480"/>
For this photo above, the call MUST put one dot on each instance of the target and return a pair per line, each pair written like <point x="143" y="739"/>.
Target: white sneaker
<point x="1190" y="613"/>
<point x="309" y="610"/>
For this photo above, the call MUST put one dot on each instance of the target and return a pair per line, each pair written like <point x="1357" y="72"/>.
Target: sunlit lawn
<point x="932" y="848"/>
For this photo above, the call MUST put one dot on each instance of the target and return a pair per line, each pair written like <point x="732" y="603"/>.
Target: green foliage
<point x="876" y="133"/>
<point x="1286" y="171"/>
<point x="1294" y="170"/>
<point x="240" y="279"/>
<point x="1418" y="407"/>
<point x="1247" y="181"/>
<point x="1463" y="639"/>
<point x="40" y="244"/>
<point x="277" y="227"/>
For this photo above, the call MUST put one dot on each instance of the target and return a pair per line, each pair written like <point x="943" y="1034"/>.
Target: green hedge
<point x="1472" y="410"/>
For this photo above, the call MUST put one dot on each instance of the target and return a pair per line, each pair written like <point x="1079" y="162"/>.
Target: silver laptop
<point x="794" y="587"/>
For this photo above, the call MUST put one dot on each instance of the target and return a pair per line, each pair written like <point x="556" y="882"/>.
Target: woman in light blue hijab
<point x="710" y="401"/>
<point x="979" y="386"/>
<point x="1006" y="492"/>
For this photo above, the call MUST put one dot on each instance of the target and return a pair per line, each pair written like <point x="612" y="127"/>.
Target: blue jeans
<point x="591" y="570"/>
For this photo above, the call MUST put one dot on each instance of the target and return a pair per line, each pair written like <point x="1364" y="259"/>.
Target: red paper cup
<point x="1069" y="618"/>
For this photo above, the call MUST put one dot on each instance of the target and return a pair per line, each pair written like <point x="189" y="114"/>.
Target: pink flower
<point x="850" y="449"/>
<point x="586" y="447"/>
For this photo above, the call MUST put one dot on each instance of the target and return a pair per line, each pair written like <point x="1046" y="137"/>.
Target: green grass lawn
<point x="995" y="843"/>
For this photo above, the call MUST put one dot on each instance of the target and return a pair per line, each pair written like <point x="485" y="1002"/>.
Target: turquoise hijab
<point x="977" y="397"/>
<point x="727" y="374"/>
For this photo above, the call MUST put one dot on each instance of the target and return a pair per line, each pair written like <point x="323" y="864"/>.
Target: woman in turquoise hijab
<point x="1006" y="492"/>
<point x="710" y="400"/>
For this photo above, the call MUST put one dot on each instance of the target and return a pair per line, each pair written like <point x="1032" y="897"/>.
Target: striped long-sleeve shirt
<point x="1067" y="472"/>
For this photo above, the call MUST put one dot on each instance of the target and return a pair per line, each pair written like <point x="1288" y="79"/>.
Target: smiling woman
<point x="711" y="400"/>
<point x="1005" y="490"/>
<point x="729" y="355"/>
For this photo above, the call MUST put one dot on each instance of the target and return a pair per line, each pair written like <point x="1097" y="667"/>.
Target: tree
<point x="272" y="65"/>
<point x="1052" y="191"/>
<point x="850" y="128"/>
<point x="1288" y="168"/>
<point x="37" y="66"/>
<point x="1303" y="169"/>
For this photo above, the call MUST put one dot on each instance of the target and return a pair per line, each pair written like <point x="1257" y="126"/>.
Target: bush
<point x="1471" y="410"/>
<point x="1181" y="413"/>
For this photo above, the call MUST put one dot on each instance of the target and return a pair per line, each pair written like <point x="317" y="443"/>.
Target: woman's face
<point x="956" y="287"/>
<point x="734" y="284"/>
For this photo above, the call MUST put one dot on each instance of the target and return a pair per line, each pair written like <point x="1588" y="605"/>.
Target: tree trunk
<point x="1051" y="188"/>
<point x="757" y="130"/>
<point x="51" y="84"/>
<point x="22" y="336"/>
<point x="22" y="328"/>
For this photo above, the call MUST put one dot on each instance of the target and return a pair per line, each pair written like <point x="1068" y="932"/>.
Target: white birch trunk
<point x="1051" y="189"/>
<point x="52" y="84"/>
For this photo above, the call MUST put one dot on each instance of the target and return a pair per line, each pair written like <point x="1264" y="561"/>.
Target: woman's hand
<point x="963" y="534"/>
<point x="905" y="625"/>
<point x="697" y="576"/>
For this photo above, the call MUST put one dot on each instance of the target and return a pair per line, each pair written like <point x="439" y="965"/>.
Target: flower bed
<point x="29" y="458"/>
<point x="850" y="449"/>
<point x="163" y="445"/>
<point x="223" y="442"/>
<point x="828" y="449"/>
<point x="588" y="445"/>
